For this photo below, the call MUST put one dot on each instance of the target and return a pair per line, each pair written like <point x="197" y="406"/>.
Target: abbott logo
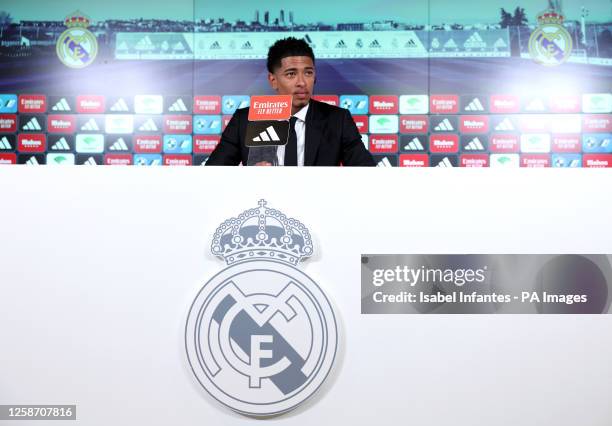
<point x="261" y="336"/>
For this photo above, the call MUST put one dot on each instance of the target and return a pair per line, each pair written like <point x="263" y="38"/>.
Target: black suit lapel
<point x="314" y="132"/>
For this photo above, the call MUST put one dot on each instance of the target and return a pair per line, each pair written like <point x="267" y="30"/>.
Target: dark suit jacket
<point x="331" y="138"/>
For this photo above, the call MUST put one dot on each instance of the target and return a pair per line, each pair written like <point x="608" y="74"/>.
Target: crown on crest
<point x="77" y="20"/>
<point x="262" y="233"/>
<point x="550" y="17"/>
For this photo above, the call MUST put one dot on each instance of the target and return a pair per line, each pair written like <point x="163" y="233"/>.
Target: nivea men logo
<point x="261" y="336"/>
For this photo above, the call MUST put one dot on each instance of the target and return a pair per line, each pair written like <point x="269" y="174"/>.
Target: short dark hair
<point x="285" y="47"/>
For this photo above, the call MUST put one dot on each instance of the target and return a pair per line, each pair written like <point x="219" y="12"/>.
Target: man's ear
<point x="272" y="81"/>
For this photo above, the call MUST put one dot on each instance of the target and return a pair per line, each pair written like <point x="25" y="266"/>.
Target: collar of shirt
<point x="301" y="114"/>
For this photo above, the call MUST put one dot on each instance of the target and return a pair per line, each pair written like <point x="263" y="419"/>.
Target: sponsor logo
<point x="148" y="104"/>
<point x="534" y="104"/>
<point x="597" y="142"/>
<point x="414" y="104"/>
<point x="597" y="160"/>
<point x="470" y="103"/>
<point x="147" y="160"/>
<point x="179" y="104"/>
<point x="90" y="144"/>
<point x="383" y="144"/>
<point x="61" y="142"/>
<point x="119" y="143"/>
<point x="443" y="143"/>
<point x="177" y="124"/>
<point x="32" y="104"/>
<point x="119" y="105"/>
<point x="383" y="104"/>
<point x="503" y="124"/>
<point x="593" y="103"/>
<point x="204" y="144"/>
<point x="61" y="123"/>
<point x="31" y="160"/>
<point x="328" y="99"/>
<point x="567" y="160"/>
<point x="8" y="158"/>
<point x="474" y="142"/>
<point x="535" y="160"/>
<point x="90" y="123"/>
<point x="60" y="159"/>
<point x="89" y="160"/>
<point x="505" y="104"/>
<point x="200" y="160"/>
<point x="8" y="103"/>
<point x="8" y="123"/>
<point x="148" y="123"/>
<point x="31" y="143"/>
<point x="225" y="121"/>
<point x="412" y="143"/>
<point x="356" y="104"/>
<point x="535" y="142"/>
<point x="443" y="160"/>
<point x="474" y="124"/>
<point x="384" y="124"/>
<point x="550" y="44"/>
<point x="77" y="47"/>
<point x="565" y="103"/>
<point x="385" y="160"/>
<point x="265" y="108"/>
<point x="504" y="160"/>
<point x="443" y="123"/>
<point x="474" y="41"/>
<point x="261" y="336"/>
<point x="90" y="104"/>
<point x="504" y="143"/>
<point x="534" y="123"/>
<point x="119" y="124"/>
<point x="566" y="143"/>
<point x="414" y="160"/>
<point x="474" y="160"/>
<point x="32" y="123"/>
<point x="61" y="104"/>
<point x="177" y="160"/>
<point x="177" y="144"/>
<point x="444" y="104"/>
<point x="230" y="103"/>
<point x="7" y="142"/>
<point x="565" y="123"/>
<point x="597" y="123"/>
<point x="207" y="104"/>
<point x="147" y="144"/>
<point x="361" y="121"/>
<point x="207" y="124"/>
<point x="118" y="159"/>
<point x="413" y="124"/>
<point x="267" y="135"/>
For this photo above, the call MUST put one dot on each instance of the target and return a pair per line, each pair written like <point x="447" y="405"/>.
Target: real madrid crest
<point x="550" y="44"/>
<point x="77" y="47"/>
<point x="261" y="336"/>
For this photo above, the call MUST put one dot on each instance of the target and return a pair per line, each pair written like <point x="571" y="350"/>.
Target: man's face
<point x="296" y="77"/>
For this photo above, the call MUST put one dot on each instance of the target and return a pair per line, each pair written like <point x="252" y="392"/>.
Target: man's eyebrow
<point x="295" y="69"/>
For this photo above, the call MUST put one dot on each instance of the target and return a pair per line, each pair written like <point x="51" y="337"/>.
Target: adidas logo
<point x="414" y="145"/>
<point x="450" y="44"/>
<point x="474" y="41"/>
<point x="61" y="145"/>
<point x="178" y="106"/>
<point x="178" y="47"/>
<point x="267" y="135"/>
<point x="144" y="44"/>
<point x="375" y="43"/>
<point x="91" y="125"/>
<point x="61" y="105"/>
<point x="215" y="45"/>
<point x="148" y="126"/>
<point x="120" y="106"/>
<point x="506" y="124"/>
<point x="444" y="125"/>
<point x="445" y="163"/>
<point x="500" y="44"/>
<point x="119" y="145"/>
<point x="384" y="163"/>
<point x="32" y="125"/>
<point x="341" y="44"/>
<point x="90" y="162"/>
<point x="246" y="45"/>
<point x="410" y="43"/>
<point x="32" y="162"/>
<point x="4" y="143"/>
<point x="474" y="145"/>
<point x="475" y="105"/>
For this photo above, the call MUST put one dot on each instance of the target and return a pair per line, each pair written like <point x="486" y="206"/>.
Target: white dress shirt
<point x="300" y="131"/>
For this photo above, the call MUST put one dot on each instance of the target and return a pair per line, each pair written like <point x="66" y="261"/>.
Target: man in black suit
<point x="320" y="134"/>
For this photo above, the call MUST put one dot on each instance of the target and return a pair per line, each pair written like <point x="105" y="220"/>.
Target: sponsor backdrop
<point x="525" y="83"/>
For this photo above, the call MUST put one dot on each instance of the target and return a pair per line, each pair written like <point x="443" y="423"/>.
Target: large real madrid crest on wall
<point x="550" y="44"/>
<point x="77" y="47"/>
<point x="261" y="336"/>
